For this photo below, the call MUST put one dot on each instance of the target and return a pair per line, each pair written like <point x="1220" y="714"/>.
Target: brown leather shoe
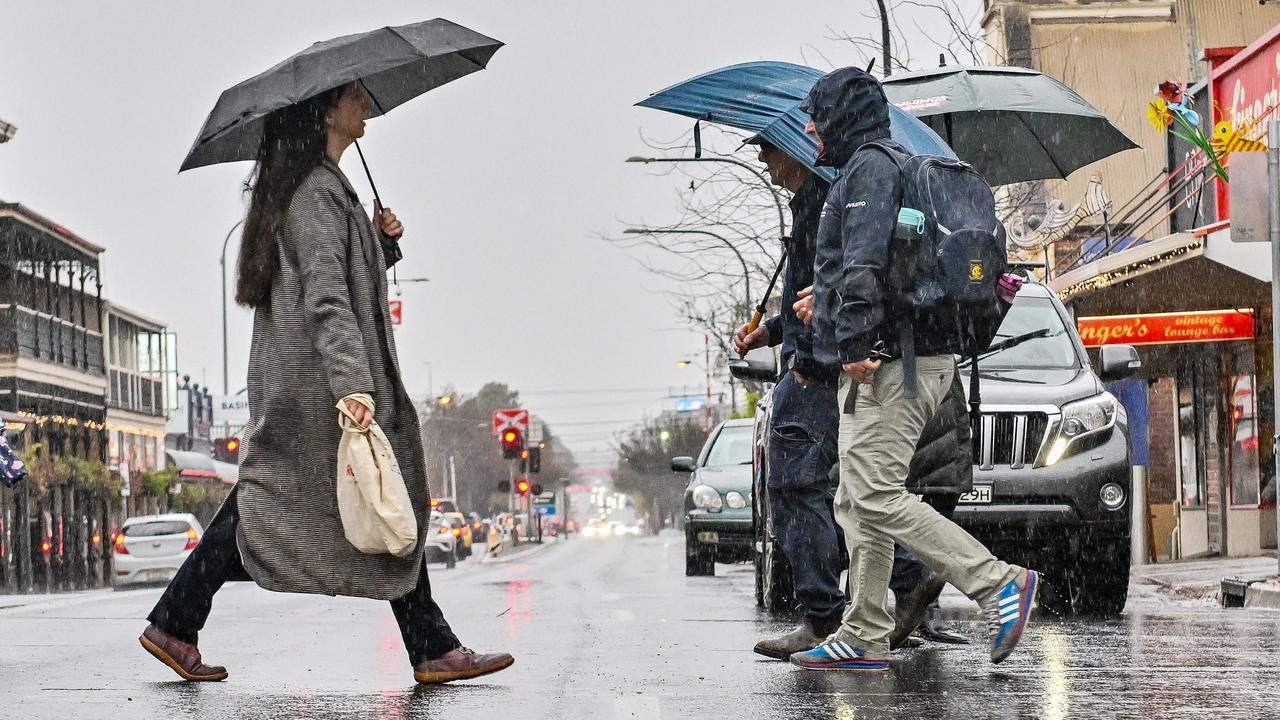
<point x="183" y="658"/>
<point x="807" y="636"/>
<point x="909" y="609"/>
<point x="460" y="664"/>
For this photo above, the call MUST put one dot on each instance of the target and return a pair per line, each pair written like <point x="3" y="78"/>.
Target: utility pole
<point x="887" y="61"/>
<point x="1273" y="233"/>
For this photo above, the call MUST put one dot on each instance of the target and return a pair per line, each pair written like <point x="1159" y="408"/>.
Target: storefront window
<point x="1244" y="444"/>
<point x="1190" y="449"/>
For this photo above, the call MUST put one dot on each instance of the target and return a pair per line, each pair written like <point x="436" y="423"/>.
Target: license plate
<point x="157" y="575"/>
<point x="709" y="536"/>
<point x="981" y="495"/>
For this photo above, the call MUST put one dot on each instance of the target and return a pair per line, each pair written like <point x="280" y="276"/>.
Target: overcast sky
<point x="505" y="179"/>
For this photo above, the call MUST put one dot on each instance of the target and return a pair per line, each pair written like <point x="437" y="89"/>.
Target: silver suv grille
<point x="1010" y="438"/>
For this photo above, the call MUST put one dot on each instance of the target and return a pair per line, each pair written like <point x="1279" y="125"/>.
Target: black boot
<point x="807" y="636"/>
<point x="909" y="609"/>
<point x="932" y="628"/>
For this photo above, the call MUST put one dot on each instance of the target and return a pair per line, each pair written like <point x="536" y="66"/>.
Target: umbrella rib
<point x="1034" y="134"/>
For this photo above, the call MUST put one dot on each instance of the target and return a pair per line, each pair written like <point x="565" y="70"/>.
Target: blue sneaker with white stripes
<point x="1009" y="612"/>
<point x="837" y="655"/>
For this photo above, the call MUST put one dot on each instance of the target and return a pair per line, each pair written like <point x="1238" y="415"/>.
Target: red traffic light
<point x="522" y="486"/>
<point x="512" y="443"/>
<point x="232" y="445"/>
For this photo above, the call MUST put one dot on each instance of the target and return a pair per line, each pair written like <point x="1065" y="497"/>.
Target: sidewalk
<point x="48" y="600"/>
<point x="1202" y="579"/>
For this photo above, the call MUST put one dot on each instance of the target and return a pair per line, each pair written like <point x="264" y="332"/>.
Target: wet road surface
<point x="613" y="629"/>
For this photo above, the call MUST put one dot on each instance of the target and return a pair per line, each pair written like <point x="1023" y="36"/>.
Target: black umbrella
<point x="1011" y="124"/>
<point x="394" y="64"/>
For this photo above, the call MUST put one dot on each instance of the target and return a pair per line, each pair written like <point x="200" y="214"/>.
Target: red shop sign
<point x="1245" y="88"/>
<point x="1167" y="328"/>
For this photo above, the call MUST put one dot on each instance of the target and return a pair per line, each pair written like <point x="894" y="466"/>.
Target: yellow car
<point x="462" y="531"/>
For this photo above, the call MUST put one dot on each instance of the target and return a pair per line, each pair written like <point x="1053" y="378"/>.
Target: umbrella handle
<point x="756" y="317"/>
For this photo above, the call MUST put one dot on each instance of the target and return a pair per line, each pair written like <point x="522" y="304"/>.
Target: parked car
<point x="1052" y="479"/>
<point x="717" y="501"/>
<point x="461" y="531"/>
<point x="151" y="548"/>
<point x="440" y="545"/>
<point x="1052" y="476"/>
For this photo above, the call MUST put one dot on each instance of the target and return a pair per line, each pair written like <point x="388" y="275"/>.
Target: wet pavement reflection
<point x="614" y="629"/>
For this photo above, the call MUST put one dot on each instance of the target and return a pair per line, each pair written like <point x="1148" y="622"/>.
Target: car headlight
<point x="1081" y="419"/>
<point x="734" y="500"/>
<point x="706" y="497"/>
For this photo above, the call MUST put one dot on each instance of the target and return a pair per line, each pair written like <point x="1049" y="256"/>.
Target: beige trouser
<point x="873" y="506"/>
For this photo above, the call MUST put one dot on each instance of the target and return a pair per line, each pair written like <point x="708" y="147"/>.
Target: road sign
<point x="690" y="403"/>
<point x="396" y="308"/>
<point x="545" y="499"/>
<point x="535" y="431"/>
<point x="514" y="418"/>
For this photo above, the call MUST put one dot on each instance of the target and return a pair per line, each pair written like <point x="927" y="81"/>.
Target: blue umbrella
<point x="764" y="98"/>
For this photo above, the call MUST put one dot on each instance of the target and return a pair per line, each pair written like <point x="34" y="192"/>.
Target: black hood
<point x="849" y="109"/>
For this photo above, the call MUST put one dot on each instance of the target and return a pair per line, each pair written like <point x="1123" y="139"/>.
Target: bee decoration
<point x="1227" y="138"/>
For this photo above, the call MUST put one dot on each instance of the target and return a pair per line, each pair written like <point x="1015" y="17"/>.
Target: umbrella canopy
<point x="764" y="98"/>
<point x="395" y="64"/>
<point x="1011" y="124"/>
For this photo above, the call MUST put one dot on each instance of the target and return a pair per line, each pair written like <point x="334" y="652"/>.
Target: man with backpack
<point x="891" y="312"/>
<point x="802" y="449"/>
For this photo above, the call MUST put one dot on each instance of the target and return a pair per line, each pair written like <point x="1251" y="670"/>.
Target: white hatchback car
<point x="151" y="548"/>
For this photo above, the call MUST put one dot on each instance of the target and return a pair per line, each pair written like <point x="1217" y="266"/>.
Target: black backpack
<point x="947" y="256"/>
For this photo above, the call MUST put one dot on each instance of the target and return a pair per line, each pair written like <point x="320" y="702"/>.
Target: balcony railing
<point x="41" y="336"/>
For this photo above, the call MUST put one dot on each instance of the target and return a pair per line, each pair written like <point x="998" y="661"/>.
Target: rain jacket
<point x="785" y="327"/>
<point x="851" y="308"/>
<point x="851" y="311"/>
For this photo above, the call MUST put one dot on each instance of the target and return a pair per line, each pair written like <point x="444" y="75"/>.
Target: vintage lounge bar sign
<point x="1167" y="328"/>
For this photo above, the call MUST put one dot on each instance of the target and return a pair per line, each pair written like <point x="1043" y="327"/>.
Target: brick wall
<point x="1162" y="474"/>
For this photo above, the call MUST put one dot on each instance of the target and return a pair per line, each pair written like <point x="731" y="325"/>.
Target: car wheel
<point x="699" y="560"/>
<point x="451" y="559"/>
<point x="1093" y="580"/>
<point x="757" y="545"/>
<point x="776" y="593"/>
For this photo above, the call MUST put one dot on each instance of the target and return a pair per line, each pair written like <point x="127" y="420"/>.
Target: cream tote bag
<point x="373" y="503"/>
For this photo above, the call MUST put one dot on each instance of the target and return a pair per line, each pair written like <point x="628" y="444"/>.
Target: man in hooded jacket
<point x="881" y="421"/>
<point x="802" y="448"/>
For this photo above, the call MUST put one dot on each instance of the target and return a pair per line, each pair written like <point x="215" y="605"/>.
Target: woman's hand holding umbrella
<point x="388" y="223"/>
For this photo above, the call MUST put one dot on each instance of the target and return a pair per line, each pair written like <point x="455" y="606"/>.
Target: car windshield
<point x="158" y="527"/>
<point x="731" y="447"/>
<point x="1031" y="336"/>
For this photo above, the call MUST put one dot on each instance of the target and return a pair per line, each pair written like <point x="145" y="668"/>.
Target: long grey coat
<point x="324" y="334"/>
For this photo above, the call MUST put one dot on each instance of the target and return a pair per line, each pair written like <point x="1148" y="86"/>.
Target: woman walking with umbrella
<point x="314" y="271"/>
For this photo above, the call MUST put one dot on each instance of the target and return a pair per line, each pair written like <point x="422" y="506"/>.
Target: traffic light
<point x="535" y="459"/>
<point x="522" y="486"/>
<point x="504" y="486"/>
<point x="227" y="450"/>
<point x="537" y="488"/>
<point x="512" y="443"/>
<point x="524" y="460"/>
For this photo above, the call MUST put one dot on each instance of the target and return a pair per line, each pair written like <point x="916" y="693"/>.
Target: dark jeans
<point x="802" y="450"/>
<point x="186" y="603"/>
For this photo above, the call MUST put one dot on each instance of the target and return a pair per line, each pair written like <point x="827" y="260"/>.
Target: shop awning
<point x="1223" y="273"/>
<point x="227" y="472"/>
<point x="192" y="464"/>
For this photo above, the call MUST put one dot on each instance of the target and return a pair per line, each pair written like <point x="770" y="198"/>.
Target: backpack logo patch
<point x="976" y="272"/>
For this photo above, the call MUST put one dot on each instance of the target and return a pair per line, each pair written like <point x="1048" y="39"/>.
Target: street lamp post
<point x="777" y="199"/>
<point x="746" y="272"/>
<point x="226" y="384"/>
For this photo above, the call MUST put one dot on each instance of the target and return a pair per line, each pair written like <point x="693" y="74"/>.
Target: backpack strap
<point x="975" y="392"/>
<point x="906" y="331"/>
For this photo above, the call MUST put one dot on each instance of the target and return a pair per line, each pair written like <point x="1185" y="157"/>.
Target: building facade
<point x="138" y="397"/>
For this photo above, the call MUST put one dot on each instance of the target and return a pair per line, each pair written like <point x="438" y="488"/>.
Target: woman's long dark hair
<point x="293" y="144"/>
